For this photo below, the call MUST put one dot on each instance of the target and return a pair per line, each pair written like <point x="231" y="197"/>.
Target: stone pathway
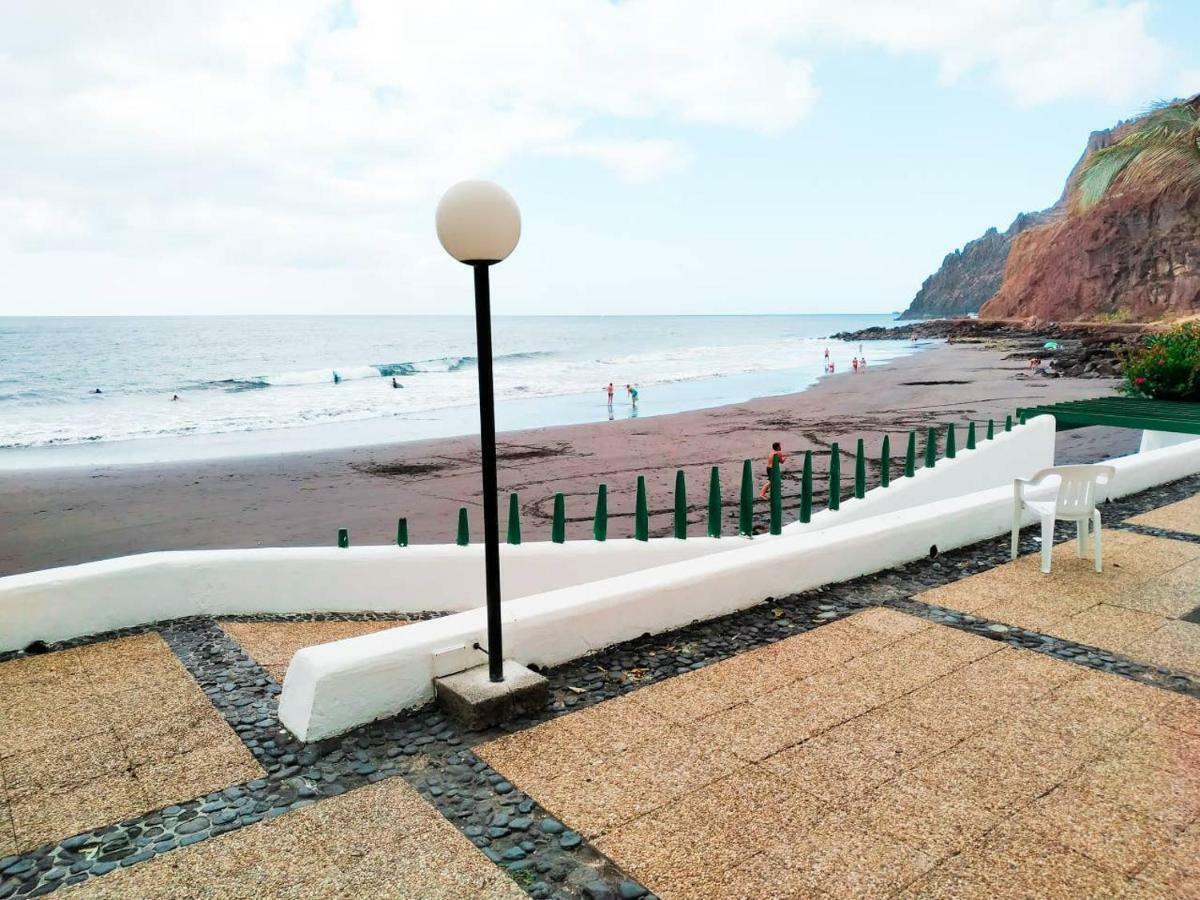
<point x="682" y="711"/>
<point x="874" y="755"/>
<point x="1138" y="606"/>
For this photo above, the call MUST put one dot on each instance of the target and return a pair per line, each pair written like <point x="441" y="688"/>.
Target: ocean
<point x="265" y="384"/>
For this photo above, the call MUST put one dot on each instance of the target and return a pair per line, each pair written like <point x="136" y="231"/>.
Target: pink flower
<point x="1139" y="380"/>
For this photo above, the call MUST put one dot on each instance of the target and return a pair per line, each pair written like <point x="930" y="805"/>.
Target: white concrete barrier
<point x="334" y="687"/>
<point x="63" y="603"/>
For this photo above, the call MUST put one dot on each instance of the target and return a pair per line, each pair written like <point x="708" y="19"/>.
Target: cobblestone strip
<point x="1080" y="654"/>
<point x="1159" y="532"/>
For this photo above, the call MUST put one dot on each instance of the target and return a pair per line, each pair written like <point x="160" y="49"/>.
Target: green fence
<point x="772" y="490"/>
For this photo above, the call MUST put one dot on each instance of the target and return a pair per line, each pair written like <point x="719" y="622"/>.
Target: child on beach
<point x="776" y="452"/>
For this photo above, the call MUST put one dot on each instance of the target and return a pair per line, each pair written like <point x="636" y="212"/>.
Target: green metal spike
<point x="600" y="526"/>
<point x="746" y="501"/>
<point x="860" y="470"/>
<point x="931" y="448"/>
<point x="806" y="489"/>
<point x="714" y="503"/>
<point x="835" y="476"/>
<point x="558" y="526"/>
<point x="402" y="532"/>
<point x="1008" y="423"/>
<point x="641" y="519"/>
<point x="910" y="456"/>
<point x="776" y="497"/>
<point x="971" y="436"/>
<point x="951" y="442"/>
<point x="464" y="535"/>
<point x="991" y="431"/>
<point x="680" y="506"/>
<point x="885" y="462"/>
<point x="514" y="519"/>
<point x="343" y="538"/>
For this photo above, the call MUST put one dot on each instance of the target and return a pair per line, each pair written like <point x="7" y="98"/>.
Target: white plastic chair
<point x="1075" y="502"/>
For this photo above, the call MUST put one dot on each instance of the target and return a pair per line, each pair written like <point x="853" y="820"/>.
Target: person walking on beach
<point x="826" y="359"/>
<point x="610" y="394"/>
<point x="854" y="364"/>
<point x="776" y="453"/>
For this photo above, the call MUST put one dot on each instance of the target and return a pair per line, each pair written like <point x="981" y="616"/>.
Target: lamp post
<point x="479" y="224"/>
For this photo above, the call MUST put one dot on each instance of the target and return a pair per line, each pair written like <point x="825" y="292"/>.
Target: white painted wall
<point x="63" y="603"/>
<point x="334" y="687"/>
<point x="994" y="463"/>
<point x="1155" y="440"/>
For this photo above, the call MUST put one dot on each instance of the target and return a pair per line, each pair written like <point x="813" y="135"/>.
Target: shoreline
<point x="64" y="516"/>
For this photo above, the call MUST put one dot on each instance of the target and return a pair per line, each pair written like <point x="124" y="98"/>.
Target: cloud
<point x="319" y="133"/>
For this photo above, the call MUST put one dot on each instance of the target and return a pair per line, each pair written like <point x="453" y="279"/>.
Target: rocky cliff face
<point x="1133" y="257"/>
<point x="970" y="276"/>
<point x="1132" y="254"/>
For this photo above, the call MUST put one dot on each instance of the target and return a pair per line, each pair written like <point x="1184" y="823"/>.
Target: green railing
<point x="746" y="495"/>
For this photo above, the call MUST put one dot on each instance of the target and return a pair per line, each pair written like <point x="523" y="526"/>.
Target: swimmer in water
<point x="337" y="379"/>
<point x="610" y="393"/>
<point x="395" y="383"/>
<point x="174" y="397"/>
<point x="97" y="391"/>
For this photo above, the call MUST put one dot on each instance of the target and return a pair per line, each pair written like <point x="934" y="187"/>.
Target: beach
<point x="61" y="517"/>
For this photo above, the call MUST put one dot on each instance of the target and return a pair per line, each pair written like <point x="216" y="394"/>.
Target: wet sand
<point x="66" y="516"/>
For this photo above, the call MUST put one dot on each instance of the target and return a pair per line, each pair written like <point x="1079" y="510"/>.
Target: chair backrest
<point x="1077" y="488"/>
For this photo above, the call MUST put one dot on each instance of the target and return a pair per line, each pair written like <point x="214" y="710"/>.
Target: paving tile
<point x="842" y="857"/>
<point x="273" y="644"/>
<point x="1173" y="594"/>
<point x="753" y="731"/>
<point x="965" y="595"/>
<point x="30" y="728"/>
<point x="8" y="837"/>
<point x="1165" y="748"/>
<point x="1016" y="862"/>
<point x="1174" y="872"/>
<point x="1035" y="613"/>
<point x="57" y="768"/>
<point x="597" y="802"/>
<point x="1179" y="712"/>
<point x="675" y="764"/>
<point x="1175" y="645"/>
<point x="1112" y="835"/>
<point x="890" y="622"/>
<point x="196" y="773"/>
<point x="1108" y="627"/>
<point x="1182" y="516"/>
<point x="709" y="831"/>
<point x="984" y="776"/>
<point x="46" y="818"/>
<point x="381" y="840"/>
<point x="1130" y="779"/>
<point x="854" y="757"/>
<point x="937" y="824"/>
<point x="695" y="695"/>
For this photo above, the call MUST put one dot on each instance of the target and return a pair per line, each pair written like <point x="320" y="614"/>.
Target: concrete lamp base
<point x="473" y="699"/>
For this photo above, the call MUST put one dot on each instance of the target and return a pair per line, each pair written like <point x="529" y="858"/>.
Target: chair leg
<point x="1047" y="542"/>
<point x="1081" y="538"/>
<point x="1096" y="528"/>
<point x="1016" y="532"/>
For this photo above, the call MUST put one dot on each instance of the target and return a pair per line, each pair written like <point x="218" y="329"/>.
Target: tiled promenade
<point x="959" y="727"/>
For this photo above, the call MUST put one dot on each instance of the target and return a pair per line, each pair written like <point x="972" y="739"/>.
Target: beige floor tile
<point x="46" y="818"/>
<point x="1034" y="613"/>
<point x="981" y="776"/>
<point x="686" y="698"/>
<point x="1108" y="627"/>
<point x="1174" y="872"/>
<point x="1172" y="594"/>
<point x="890" y="622"/>
<point x="1182" y="516"/>
<point x="965" y="595"/>
<point x="841" y="857"/>
<point x="675" y="764"/>
<point x="1165" y="748"/>
<point x="1180" y="712"/>
<point x="1129" y="779"/>
<point x="597" y="802"/>
<point x="195" y="773"/>
<point x="1018" y="862"/>
<point x="31" y="728"/>
<point x="45" y="667"/>
<point x="937" y="824"/>
<point x="8" y="837"/>
<point x="1176" y="645"/>
<point x="752" y="731"/>
<point x="273" y="644"/>
<point x="381" y="840"/>
<point x="1115" y="837"/>
<point x="58" y="768"/>
<point x="700" y="836"/>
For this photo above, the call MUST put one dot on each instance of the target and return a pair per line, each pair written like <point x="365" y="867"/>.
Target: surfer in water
<point x="395" y="383"/>
<point x="337" y="379"/>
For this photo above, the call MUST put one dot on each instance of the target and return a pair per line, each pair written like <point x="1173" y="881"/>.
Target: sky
<point x="668" y="156"/>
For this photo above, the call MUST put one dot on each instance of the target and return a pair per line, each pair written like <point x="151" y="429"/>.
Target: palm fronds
<point x="1161" y="153"/>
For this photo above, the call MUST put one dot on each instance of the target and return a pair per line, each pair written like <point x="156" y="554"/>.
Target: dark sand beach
<point x="66" y="516"/>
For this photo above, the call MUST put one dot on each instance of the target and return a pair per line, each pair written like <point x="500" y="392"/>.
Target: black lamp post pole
<point x="487" y="439"/>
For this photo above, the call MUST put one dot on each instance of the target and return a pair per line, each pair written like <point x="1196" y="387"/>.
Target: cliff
<point x="970" y="276"/>
<point x="1127" y="245"/>
<point x="1121" y="242"/>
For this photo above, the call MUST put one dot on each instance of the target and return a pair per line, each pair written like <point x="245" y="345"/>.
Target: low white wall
<point x="994" y="463"/>
<point x="1156" y="440"/>
<point x="63" y="603"/>
<point x="334" y="687"/>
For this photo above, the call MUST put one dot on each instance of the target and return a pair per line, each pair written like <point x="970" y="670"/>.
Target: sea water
<point x="265" y="384"/>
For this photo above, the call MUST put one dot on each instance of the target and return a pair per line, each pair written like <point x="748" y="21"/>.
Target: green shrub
<point x="1167" y="367"/>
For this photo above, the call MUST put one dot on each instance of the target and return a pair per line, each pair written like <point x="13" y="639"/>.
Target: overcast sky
<point x="667" y="155"/>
